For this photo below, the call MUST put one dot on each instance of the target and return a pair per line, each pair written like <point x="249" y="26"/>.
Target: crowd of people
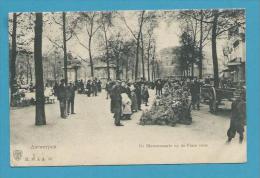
<point x="90" y="88"/>
<point x="126" y="98"/>
<point x="176" y="99"/>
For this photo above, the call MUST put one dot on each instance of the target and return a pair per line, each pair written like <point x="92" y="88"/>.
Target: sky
<point x="166" y="35"/>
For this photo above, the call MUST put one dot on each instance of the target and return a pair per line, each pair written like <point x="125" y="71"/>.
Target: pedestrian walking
<point x="72" y="88"/>
<point x="116" y="103"/>
<point x="109" y="86"/>
<point x="55" y="88"/>
<point x="195" y="94"/>
<point x="88" y="88"/>
<point x="158" y="87"/>
<point x="138" y="95"/>
<point x="94" y="87"/>
<point x="81" y="87"/>
<point x="145" y="95"/>
<point x="99" y="86"/>
<point x="133" y="98"/>
<point x="238" y="118"/>
<point x="61" y="95"/>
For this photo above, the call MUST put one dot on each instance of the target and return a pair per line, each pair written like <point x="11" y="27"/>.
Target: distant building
<point x="235" y="54"/>
<point x="169" y="65"/>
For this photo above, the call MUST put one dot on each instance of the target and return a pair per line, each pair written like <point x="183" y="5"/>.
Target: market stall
<point x="173" y="107"/>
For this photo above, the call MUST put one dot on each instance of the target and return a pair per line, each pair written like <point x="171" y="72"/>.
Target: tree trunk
<point x="40" y="99"/>
<point x="65" y="48"/>
<point x="148" y="61"/>
<point x="90" y="56"/>
<point x="107" y="55"/>
<point x="138" y="45"/>
<point x="133" y="73"/>
<point x="31" y="77"/>
<point x="126" y="69"/>
<point x="27" y="71"/>
<point x="142" y="54"/>
<point x="157" y="69"/>
<point x="117" y="69"/>
<point x="137" y="59"/>
<point x="214" y="48"/>
<point x="200" y="45"/>
<point x="13" y="59"/>
<point x="192" y="69"/>
<point x="153" y="65"/>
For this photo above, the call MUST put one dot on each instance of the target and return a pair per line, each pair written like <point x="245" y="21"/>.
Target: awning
<point x="226" y="69"/>
<point x="234" y="63"/>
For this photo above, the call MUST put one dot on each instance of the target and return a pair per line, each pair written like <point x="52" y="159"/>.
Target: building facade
<point x="235" y="54"/>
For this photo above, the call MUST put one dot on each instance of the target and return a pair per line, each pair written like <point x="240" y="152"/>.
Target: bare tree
<point x="91" y="26"/>
<point x="13" y="57"/>
<point x="67" y="34"/>
<point x="106" y="23"/>
<point x="39" y="95"/>
<point x="137" y="37"/>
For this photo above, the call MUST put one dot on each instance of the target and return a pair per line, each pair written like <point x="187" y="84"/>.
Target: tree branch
<point x="127" y="26"/>
<point x="17" y="15"/>
<point x="227" y="29"/>
<point x="195" y="18"/>
<point x="67" y="39"/>
<point x="57" y="22"/>
<point x="55" y="43"/>
<point x="206" y="36"/>
<point x="96" y="30"/>
<point x="80" y="42"/>
<point x="82" y="59"/>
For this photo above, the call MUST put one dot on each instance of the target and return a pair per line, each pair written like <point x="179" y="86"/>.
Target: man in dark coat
<point x="238" y="118"/>
<point x="116" y="103"/>
<point x="55" y="89"/>
<point x="89" y="88"/>
<point x="94" y="87"/>
<point x="158" y="87"/>
<point x="81" y="86"/>
<point x="99" y="85"/>
<point x="109" y="86"/>
<point x="62" y="97"/>
<point x="195" y="94"/>
<point x="71" y="89"/>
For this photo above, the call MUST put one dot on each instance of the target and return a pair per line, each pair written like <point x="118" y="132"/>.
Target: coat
<point x="62" y="92"/>
<point x="134" y="105"/>
<point x="116" y="99"/>
<point x="145" y="95"/>
<point x="238" y="115"/>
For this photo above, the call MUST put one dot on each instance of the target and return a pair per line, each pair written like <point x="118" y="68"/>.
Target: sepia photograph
<point x="127" y="87"/>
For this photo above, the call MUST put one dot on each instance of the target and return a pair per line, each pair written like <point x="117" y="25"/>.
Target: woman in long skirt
<point x="134" y="105"/>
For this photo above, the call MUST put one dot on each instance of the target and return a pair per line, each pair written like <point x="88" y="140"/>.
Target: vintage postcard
<point x="127" y="87"/>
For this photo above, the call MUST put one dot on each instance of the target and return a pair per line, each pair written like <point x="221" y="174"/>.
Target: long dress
<point x="126" y="104"/>
<point x="134" y="105"/>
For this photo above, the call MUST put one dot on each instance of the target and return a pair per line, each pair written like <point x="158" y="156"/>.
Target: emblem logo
<point x="17" y="154"/>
